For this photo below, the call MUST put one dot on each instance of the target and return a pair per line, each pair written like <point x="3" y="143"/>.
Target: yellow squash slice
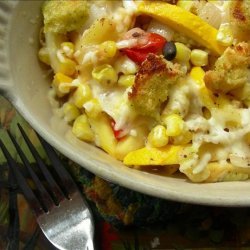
<point x="168" y="155"/>
<point x="184" y="22"/>
<point x="206" y="95"/>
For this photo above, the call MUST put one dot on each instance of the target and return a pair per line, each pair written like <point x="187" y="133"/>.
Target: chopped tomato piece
<point x="139" y="53"/>
<point x="155" y="43"/>
<point x="136" y="55"/>
<point x="117" y="133"/>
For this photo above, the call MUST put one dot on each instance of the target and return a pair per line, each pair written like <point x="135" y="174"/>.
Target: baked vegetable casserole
<point x="158" y="85"/>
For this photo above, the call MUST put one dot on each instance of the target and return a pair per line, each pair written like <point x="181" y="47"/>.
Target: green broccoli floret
<point x="62" y="16"/>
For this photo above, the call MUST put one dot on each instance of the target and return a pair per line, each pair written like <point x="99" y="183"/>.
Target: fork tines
<point x="46" y="199"/>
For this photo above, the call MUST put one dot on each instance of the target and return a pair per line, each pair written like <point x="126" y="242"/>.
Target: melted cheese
<point x="115" y="103"/>
<point x="221" y="143"/>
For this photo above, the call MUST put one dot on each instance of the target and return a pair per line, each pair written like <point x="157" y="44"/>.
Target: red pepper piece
<point x="136" y="55"/>
<point x="117" y="133"/>
<point x="155" y="43"/>
<point x="139" y="53"/>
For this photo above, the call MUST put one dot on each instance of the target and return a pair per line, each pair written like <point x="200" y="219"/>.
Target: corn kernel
<point x="59" y="80"/>
<point x="81" y="95"/>
<point x="174" y="124"/>
<point x="68" y="48"/>
<point x="105" y="74"/>
<point x="184" y="138"/>
<point x="109" y="48"/>
<point x="197" y="73"/>
<point x="224" y="35"/>
<point x="126" y="66"/>
<point x="92" y="108"/>
<point x="199" y="57"/>
<point x="158" y="137"/>
<point x="126" y="80"/>
<point x="67" y="67"/>
<point x="59" y="77"/>
<point x="82" y="130"/>
<point x="70" y="112"/>
<point x="43" y="55"/>
<point x="183" y="53"/>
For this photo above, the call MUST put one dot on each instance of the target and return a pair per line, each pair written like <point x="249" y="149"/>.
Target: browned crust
<point x="152" y="82"/>
<point x="231" y="69"/>
<point x="240" y="14"/>
<point x="151" y="66"/>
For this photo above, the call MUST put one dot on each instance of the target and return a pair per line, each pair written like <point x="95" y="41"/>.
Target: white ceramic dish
<point x="23" y="82"/>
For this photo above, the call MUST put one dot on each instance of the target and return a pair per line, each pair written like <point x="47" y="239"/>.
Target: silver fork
<point x="61" y="211"/>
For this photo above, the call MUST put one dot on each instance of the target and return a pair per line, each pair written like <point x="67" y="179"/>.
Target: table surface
<point x="124" y="219"/>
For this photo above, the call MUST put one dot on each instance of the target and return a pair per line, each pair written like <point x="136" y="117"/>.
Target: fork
<point x="61" y="212"/>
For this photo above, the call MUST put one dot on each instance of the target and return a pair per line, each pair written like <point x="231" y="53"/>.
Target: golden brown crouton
<point x="231" y="69"/>
<point x="240" y="17"/>
<point x="152" y="83"/>
<point x="64" y="16"/>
